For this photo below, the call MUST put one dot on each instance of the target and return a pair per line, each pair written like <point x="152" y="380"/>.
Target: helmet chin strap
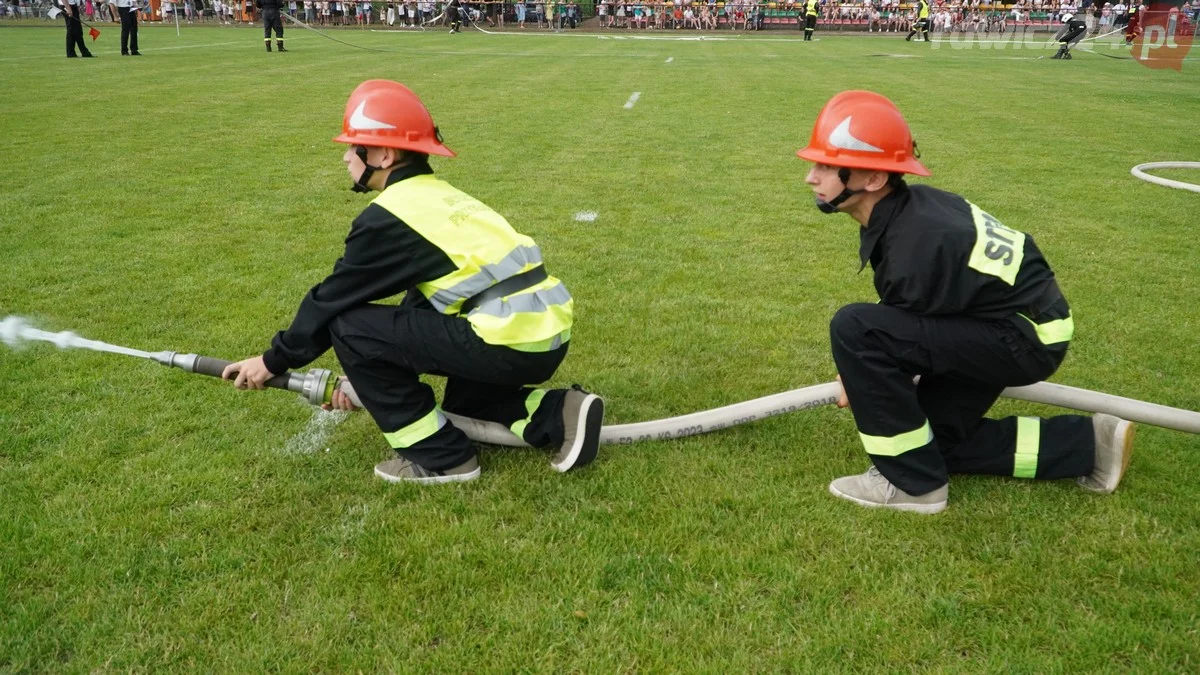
<point x="360" y="185"/>
<point x="832" y="205"/>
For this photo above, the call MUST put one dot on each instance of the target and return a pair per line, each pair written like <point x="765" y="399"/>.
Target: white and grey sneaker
<point x="872" y="489"/>
<point x="401" y="470"/>
<point x="582" y="416"/>
<point x="1114" y="449"/>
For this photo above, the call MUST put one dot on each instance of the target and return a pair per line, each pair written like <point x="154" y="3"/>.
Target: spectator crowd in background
<point x="870" y="15"/>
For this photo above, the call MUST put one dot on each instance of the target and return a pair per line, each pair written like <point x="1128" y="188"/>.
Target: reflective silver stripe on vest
<point x="537" y="301"/>
<point x="487" y="276"/>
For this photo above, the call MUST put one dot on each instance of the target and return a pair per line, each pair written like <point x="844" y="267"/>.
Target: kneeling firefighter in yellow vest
<point x="480" y="308"/>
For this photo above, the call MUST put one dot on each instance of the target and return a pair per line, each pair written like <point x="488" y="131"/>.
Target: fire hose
<point x="318" y="384"/>
<point x="1139" y="171"/>
<point x="317" y="387"/>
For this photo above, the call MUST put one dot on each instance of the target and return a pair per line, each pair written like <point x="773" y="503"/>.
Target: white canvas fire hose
<point x="827" y="394"/>
<point x="1139" y="171"/>
<point x="317" y="387"/>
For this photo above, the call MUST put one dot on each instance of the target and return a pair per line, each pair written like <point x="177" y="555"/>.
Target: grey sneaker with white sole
<point x="872" y="489"/>
<point x="582" y="416"/>
<point x="401" y="470"/>
<point x="1114" y="449"/>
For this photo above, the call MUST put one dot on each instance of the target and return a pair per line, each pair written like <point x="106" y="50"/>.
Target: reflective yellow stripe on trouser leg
<point x="418" y="431"/>
<point x="1029" y="434"/>
<point x="531" y="405"/>
<point x="891" y="446"/>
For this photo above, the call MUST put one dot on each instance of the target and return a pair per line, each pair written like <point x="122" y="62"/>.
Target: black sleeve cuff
<point x="274" y="361"/>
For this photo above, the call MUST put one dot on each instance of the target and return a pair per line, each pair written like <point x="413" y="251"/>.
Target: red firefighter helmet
<point x="863" y="130"/>
<point x="388" y="114"/>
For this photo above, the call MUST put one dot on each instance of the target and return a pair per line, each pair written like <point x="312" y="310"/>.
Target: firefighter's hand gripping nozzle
<point x="316" y="386"/>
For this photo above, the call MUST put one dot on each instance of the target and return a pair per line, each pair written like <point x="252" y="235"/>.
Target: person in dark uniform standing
<point x="1069" y="35"/>
<point x="480" y="309"/>
<point x="71" y="15"/>
<point x="966" y="304"/>
<point x="922" y="24"/>
<point x="1134" y="26"/>
<point x="811" y="7"/>
<point x="456" y="14"/>
<point x="271" y="20"/>
<point x="128" y="9"/>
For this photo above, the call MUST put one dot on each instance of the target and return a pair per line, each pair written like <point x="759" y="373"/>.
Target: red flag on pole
<point x="94" y="33"/>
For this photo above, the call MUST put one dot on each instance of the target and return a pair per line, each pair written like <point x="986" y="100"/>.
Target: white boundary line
<point x="446" y="52"/>
<point x="632" y="100"/>
<point x="488" y="32"/>
<point x="538" y="55"/>
<point x="217" y="44"/>
<point x="602" y="36"/>
<point x="252" y="43"/>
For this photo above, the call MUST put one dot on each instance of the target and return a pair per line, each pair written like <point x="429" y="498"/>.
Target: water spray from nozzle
<point x="316" y="386"/>
<point x="15" y="331"/>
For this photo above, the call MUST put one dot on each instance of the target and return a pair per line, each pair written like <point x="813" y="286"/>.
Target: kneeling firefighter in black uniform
<point x="966" y="304"/>
<point x="480" y="309"/>
<point x="1071" y="32"/>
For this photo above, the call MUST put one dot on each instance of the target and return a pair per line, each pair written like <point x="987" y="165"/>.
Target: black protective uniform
<point x="972" y="307"/>
<point x="811" y="7"/>
<point x="383" y="349"/>
<point x="271" y="20"/>
<point x="459" y="15"/>
<point x="1069" y="35"/>
<point x="922" y="24"/>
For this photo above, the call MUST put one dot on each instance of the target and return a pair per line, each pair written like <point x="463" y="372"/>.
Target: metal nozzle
<point x="316" y="386"/>
<point x="176" y="360"/>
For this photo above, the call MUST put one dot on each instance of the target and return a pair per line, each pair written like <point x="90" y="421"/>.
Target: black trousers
<point x="921" y="26"/>
<point x="1073" y="33"/>
<point x="964" y="365"/>
<point x="271" y="20"/>
<point x="74" y="33"/>
<point x="383" y="349"/>
<point x="129" y="29"/>
<point x="810" y="25"/>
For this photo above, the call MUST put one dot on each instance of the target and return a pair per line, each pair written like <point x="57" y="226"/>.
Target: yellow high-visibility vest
<point x="485" y="249"/>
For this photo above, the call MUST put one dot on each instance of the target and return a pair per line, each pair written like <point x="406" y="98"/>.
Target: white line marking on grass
<point x="796" y="40"/>
<point x="488" y="32"/>
<point x="536" y="55"/>
<point x="1028" y="43"/>
<point x="161" y="49"/>
<point x="633" y="99"/>
<point x="670" y="59"/>
<point x="698" y="38"/>
<point x="593" y="36"/>
<point x="214" y="44"/>
<point x="585" y="216"/>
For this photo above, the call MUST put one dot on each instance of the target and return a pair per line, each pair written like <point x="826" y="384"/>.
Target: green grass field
<point x="156" y="521"/>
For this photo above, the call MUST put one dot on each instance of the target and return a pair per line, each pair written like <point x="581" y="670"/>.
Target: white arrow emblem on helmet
<point x="361" y="122"/>
<point x="842" y="138"/>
